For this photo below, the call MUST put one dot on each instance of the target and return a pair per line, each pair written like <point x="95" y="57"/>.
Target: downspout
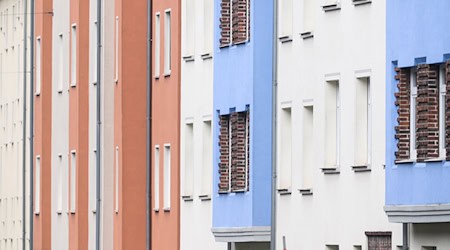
<point x="149" y="127"/>
<point x="31" y="122"/>
<point x="98" y="135"/>
<point x="405" y="236"/>
<point x="24" y="127"/>
<point x="273" y="223"/>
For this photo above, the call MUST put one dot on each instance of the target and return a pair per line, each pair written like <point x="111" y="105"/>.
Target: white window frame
<point x="73" y="181"/>
<point x="442" y="115"/>
<point x="61" y="63"/>
<point x="73" y="56"/>
<point x="116" y="179"/>
<point x="38" y="66"/>
<point x="156" y="182"/>
<point x="157" y="44"/>
<point x="116" y="49"/>
<point x="167" y="176"/>
<point x="412" y="117"/>
<point x="167" y="42"/>
<point x="60" y="183"/>
<point x="37" y="191"/>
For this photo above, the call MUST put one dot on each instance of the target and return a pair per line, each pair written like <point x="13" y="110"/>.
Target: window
<point x="61" y="63"/>
<point x="234" y="146"/>
<point x="363" y="116"/>
<point x="308" y="18"/>
<point x="156" y="179"/>
<point x="332" y="247"/>
<point x="14" y="17"/>
<point x="38" y="66"/>
<point x="37" y="192"/>
<point x="188" y="29"/>
<point x="167" y="177"/>
<point x="286" y="14"/>
<point x="285" y="175"/>
<point x="379" y="240"/>
<point x="208" y="20"/>
<point x="206" y="159"/>
<point x="332" y="120"/>
<point x="93" y="54"/>
<point x="73" y="180"/>
<point x="93" y="182"/>
<point x="116" y="45"/>
<point x="412" y="119"/>
<point x="189" y="160"/>
<point x="442" y="109"/>
<point x="308" y="147"/>
<point x="73" y="56"/>
<point x="60" y="183"/>
<point x="234" y="22"/>
<point x="157" y="44"/>
<point x="167" y="43"/>
<point x="116" y="180"/>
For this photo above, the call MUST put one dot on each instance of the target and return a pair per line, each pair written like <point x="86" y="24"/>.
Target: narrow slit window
<point x="207" y="159"/>
<point x="60" y="183"/>
<point x="116" y="49"/>
<point x="73" y="180"/>
<point x="189" y="160"/>
<point x="37" y="192"/>
<point x="156" y="179"/>
<point x="189" y="28"/>
<point x="157" y="44"/>
<point x="308" y="15"/>
<point x="286" y="12"/>
<point x="285" y="180"/>
<point x="167" y="174"/>
<point x="208" y="20"/>
<point x="412" y="120"/>
<point x="94" y="53"/>
<point x="38" y="66"/>
<point x="332" y="132"/>
<point x="442" y="109"/>
<point x="167" y="43"/>
<point x="308" y="147"/>
<point x="61" y="63"/>
<point x="73" y="56"/>
<point x="116" y="180"/>
<point x="363" y="122"/>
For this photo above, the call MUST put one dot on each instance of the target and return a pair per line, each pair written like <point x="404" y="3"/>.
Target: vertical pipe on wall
<point x="98" y="135"/>
<point x="24" y="127"/>
<point x="149" y="127"/>
<point x="405" y="236"/>
<point x="274" y="125"/>
<point x="31" y="120"/>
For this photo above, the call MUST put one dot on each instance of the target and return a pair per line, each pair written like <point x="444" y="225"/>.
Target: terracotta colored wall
<point x="166" y="129"/>
<point x="78" y="125"/>
<point x="130" y="125"/>
<point x="43" y="112"/>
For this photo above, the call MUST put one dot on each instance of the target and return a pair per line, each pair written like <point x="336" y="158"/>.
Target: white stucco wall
<point x="343" y="206"/>
<point x="196" y="109"/>
<point x="11" y="125"/>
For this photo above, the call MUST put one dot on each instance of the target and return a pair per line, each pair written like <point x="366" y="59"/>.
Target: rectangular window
<point x="167" y="175"/>
<point x="93" y="54"/>
<point x="157" y="44"/>
<point x="73" y="180"/>
<point x="363" y="122"/>
<point x="412" y="119"/>
<point x="14" y="17"/>
<point x="37" y="191"/>
<point x="38" y="66"/>
<point x="442" y="108"/>
<point x="379" y="240"/>
<point x="60" y="184"/>
<point x="116" y="180"/>
<point x="188" y="29"/>
<point x="308" y="16"/>
<point x="208" y="28"/>
<point x="206" y="159"/>
<point x="308" y="147"/>
<point x="189" y="160"/>
<point x="286" y="13"/>
<point x="332" y="120"/>
<point x="156" y="179"/>
<point x="285" y="175"/>
<point x="116" y="55"/>
<point x="61" y="63"/>
<point x="73" y="56"/>
<point x="167" y="43"/>
<point x="234" y="22"/>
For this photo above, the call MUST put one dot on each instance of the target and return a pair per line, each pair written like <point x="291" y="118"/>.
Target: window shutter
<point x="240" y="21"/>
<point x="402" y="130"/>
<point x="224" y="149"/>
<point x="225" y="23"/>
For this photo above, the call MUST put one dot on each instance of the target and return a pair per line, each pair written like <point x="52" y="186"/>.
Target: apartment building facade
<point x="12" y="172"/>
<point x="330" y="157"/>
<point x="417" y="137"/>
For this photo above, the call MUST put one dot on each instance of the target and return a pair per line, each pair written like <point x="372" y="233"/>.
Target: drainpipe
<point x="24" y="127"/>
<point x="98" y="135"/>
<point x="273" y="223"/>
<point x="149" y="126"/>
<point x="31" y="121"/>
<point x="405" y="236"/>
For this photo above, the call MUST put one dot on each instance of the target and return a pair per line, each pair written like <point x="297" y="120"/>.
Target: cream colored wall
<point x="343" y="206"/>
<point x="11" y="124"/>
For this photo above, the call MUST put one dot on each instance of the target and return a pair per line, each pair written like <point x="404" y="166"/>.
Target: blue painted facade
<point x="243" y="78"/>
<point x="417" y="32"/>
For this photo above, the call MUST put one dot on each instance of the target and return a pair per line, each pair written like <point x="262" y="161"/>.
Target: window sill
<point x="361" y="168"/>
<point x="331" y="170"/>
<point x="72" y="212"/>
<point x="37" y="93"/>
<point x="284" y="191"/>
<point x="156" y="77"/>
<point x="361" y="2"/>
<point x="166" y="209"/>
<point x="187" y="198"/>
<point x="94" y="211"/>
<point x="36" y="213"/>
<point x="331" y="7"/>
<point x="205" y="197"/>
<point x="408" y="161"/>
<point x="156" y="210"/>
<point x="206" y="56"/>
<point x="306" y="191"/>
<point x="188" y="58"/>
<point x="73" y="85"/>
<point x="306" y="35"/>
<point x="440" y="159"/>
<point x="59" y="212"/>
<point x="60" y="91"/>
<point x="285" y="39"/>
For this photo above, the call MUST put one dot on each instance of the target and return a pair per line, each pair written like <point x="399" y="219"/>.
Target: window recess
<point x="208" y="29"/>
<point x="332" y="128"/>
<point x="188" y="182"/>
<point x="234" y="22"/>
<point x="206" y="161"/>
<point x="308" y="150"/>
<point x="285" y="160"/>
<point x="188" y="30"/>
<point x="308" y="19"/>
<point x="363" y="125"/>
<point x="285" y="24"/>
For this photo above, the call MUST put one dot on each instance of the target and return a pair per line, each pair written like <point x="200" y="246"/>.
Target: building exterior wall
<point x="196" y="126"/>
<point x="166" y="129"/>
<point x="11" y="125"/>
<point x="243" y="80"/>
<point x="315" y="198"/>
<point x="130" y="125"/>
<point x="42" y="128"/>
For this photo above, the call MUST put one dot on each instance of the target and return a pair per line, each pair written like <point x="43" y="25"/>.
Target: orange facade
<point x="78" y="123"/>
<point x="43" y="124"/>
<point x="166" y="125"/>
<point x="130" y="41"/>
